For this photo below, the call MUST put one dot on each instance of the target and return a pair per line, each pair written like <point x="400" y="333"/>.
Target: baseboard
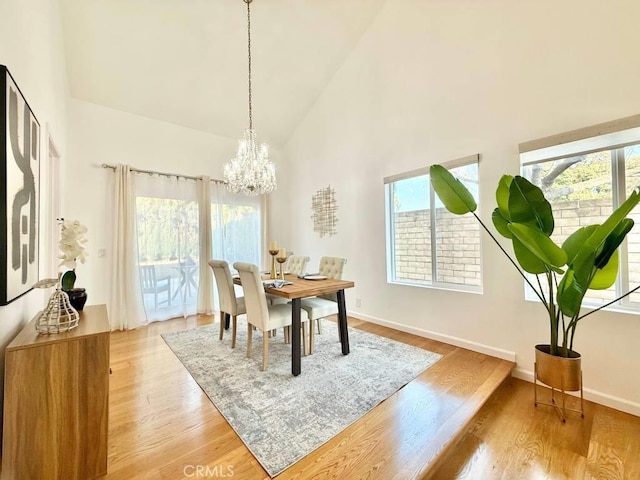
<point x="458" y="342"/>
<point x="605" y="399"/>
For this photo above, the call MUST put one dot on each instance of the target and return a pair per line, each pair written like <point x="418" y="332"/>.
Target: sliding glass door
<point x="168" y="229"/>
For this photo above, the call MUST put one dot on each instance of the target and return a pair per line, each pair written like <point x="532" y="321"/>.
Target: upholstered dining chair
<point x="259" y="314"/>
<point x="323" y="305"/>
<point x="229" y="303"/>
<point x="296" y="264"/>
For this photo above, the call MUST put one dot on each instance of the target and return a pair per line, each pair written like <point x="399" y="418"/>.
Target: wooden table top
<point x="302" y="288"/>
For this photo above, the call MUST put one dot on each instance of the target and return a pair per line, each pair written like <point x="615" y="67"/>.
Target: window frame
<point x="390" y="230"/>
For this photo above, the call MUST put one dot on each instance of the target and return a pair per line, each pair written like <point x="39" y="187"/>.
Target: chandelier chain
<point x="250" y="172"/>
<point x="249" y="55"/>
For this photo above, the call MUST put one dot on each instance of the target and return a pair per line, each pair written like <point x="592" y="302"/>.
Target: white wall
<point x="31" y="48"/>
<point x="103" y="135"/>
<point x="433" y="81"/>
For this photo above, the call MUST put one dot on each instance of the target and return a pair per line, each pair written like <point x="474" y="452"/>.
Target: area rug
<point x="282" y="418"/>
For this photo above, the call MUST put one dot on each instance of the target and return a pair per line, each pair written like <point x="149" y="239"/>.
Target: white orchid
<point x="72" y="243"/>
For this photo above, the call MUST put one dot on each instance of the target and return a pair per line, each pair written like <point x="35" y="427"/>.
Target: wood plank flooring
<point x="162" y="426"/>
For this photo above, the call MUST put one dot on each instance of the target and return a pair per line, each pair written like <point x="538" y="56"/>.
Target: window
<point x="585" y="180"/>
<point x="427" y="245"/>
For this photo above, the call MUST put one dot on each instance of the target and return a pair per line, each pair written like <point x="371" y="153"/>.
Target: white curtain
<point x="205" y="290"/>
<point x="236" y="222"/>
<point x="169" y="245"/>
<point x="236" y="226"/>
<point x="126" y="310"/>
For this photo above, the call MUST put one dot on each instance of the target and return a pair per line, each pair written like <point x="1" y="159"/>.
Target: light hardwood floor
<point x="162" y="426"/>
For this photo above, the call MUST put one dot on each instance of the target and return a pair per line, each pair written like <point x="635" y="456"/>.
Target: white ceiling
<point x="185" y="61"/>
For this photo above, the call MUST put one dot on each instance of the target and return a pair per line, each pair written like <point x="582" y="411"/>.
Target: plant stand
<point x="560" y="410"/>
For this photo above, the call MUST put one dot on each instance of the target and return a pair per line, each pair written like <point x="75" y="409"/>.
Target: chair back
<point x="254" y="297"/>
<point x="224" y="283"/>
<point x="332" y="267"/>
<point x="148" y="278"/>
<point x="296" y="264"/>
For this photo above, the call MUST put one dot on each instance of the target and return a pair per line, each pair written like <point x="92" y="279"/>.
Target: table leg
<point x="342" y="323"/>
<point x="295" y="337"/>
<point x="227" y="319"/>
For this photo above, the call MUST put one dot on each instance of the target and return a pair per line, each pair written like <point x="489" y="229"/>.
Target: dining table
<point x="300" y="288"/>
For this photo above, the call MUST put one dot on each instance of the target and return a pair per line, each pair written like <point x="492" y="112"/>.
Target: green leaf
<point x="527" y="260"/>
<point x="501" y="224"/>
<point x="575" y="241"/>
<point x="539" y="245"/>
<point x="570" y="294"/>
<point x="527" y="205"/>
<point x="583" y="267"/>
<point x="606" y="276"/>
<point x="452" y="193"/>
<point x="613" y="241"/>
<point x="502" y="196"/>
<point x="585" y="260"/>
<point x="68" y="280"/>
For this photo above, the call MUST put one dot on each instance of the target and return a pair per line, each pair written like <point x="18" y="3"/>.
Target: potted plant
<point x="587" y="259"/>
<point x="72" y="250"/>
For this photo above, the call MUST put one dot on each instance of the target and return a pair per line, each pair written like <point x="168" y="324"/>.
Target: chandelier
<point x="250" y="172"/>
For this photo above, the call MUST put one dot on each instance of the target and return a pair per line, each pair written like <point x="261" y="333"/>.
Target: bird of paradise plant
<point x="587" y="259"/>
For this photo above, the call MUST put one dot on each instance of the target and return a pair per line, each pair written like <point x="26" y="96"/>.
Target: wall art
<point x="19" y="191"/>
<point x="324" y="206"/>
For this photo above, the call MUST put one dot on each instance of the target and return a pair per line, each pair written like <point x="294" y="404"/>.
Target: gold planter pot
<point x="559" y="373"/>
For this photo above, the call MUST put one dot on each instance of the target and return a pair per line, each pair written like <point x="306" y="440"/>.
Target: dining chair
<point x="295" y="265"/>
<point x="259" y="314"/>
<point x="229" y="303"/>
<point x="323" y="305"/>
<point x="151" y="284"/>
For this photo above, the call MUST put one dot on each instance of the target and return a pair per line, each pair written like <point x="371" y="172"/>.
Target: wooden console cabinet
<point x="56" y="401"/>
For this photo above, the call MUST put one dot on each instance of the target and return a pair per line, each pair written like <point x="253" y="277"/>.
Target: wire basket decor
<point x="58" y="316"/>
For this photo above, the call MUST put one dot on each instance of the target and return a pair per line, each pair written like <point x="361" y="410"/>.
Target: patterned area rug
<point x="282" y="418"/>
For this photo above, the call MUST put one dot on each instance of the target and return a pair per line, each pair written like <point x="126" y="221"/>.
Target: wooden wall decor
<point x="324" y="206"/>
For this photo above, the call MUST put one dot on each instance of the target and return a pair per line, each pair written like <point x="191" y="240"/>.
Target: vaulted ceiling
<point x="185" y="61"/>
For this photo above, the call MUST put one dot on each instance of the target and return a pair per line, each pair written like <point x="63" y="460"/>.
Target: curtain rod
<point x="164" y="174"/>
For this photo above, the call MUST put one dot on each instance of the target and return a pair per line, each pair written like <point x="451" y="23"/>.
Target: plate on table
<point x="315" y="277"/>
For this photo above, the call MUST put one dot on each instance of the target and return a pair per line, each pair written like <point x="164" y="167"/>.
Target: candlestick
<point x="273" y="253"/>
<point x="281" y="261"/>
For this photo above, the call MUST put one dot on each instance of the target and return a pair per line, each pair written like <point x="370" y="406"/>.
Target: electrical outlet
<point x="102" y="253"/>
<point x="358" y="302"/>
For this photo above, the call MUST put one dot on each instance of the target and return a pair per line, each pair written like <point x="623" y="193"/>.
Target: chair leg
<point x="304" y="338"/>
<point x="311" y="336"/>
<point x="285" y="333"/>
<point x="319" y="320"/>
<point x="265" y="350"/>
<point x="249" y="339"/>
<point x="234" y="328"/>
<point x="221" y="324"/>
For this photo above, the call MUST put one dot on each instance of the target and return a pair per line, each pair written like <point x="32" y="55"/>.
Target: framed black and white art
<point x="19" y="191"/>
